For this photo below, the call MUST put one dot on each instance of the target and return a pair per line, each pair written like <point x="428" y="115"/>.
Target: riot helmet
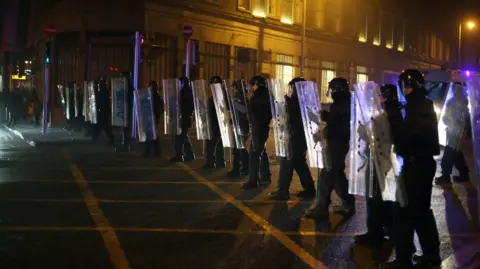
<point x="292" y="85"/>
<point x="259" y="81"/>
<point x="411" y="80"/>
<point x="215" y="80"/>
<point x="389" y="92"/>
<point x="153" y="84"/>
<point x="339" y="87"/>
<point x="184" y="83"/>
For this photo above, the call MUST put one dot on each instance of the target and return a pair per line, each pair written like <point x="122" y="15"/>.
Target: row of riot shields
<point x="69" y="98"/>
<point x="473" y="91"/>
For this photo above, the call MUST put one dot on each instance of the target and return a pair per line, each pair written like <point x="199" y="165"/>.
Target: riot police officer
<point x="102" y="100"/>
<point x="240" y="160"/>
<point x="379" y="212"/>
<point x="183" y="146"/>
<point x="457" y="120"/>
<point x="260" y="116"/>
<point x="126" y="130"/>
<point x="215" y="157"/>
<point x="416" y="140"/>
<point x="152" y="146"/>
<point x="338" y="141"/>
<point x="298" y="143"/>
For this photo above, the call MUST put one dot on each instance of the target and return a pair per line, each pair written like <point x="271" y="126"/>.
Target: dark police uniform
<point x="183" y="146"/>
<point x="379" y="212"/>
<point x="338" y="141"/>
<point x="416" y="140"/>
<point x="214" y="153"/>
<point x="102" y="100"/>
<point x="152" y="146"/>
<point x="261" y="116"/>
<point x="298" y="161"/>
<point x="240" y="161"/>
<point x="127" y="130"/>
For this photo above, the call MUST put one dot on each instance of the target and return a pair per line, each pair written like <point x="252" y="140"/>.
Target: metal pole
<point x="460" y="45"/>
<point x="136" y="60"/>
<point x="304" y="22"/>
<point x="188" y="57"/>
<point x="45" y="103"/>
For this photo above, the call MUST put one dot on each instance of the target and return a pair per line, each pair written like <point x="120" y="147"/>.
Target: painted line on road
<point x="195" y="231"/>
<point x="154" y="182"/>
<point x="110" y="239"/>
<point x="279" y="235"/>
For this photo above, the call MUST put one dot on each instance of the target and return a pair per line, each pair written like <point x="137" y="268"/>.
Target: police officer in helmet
<point x="338" y="145"/>
<point x="298" y="147"/>
<point x="261" y="116"/>
<point x="102" y="100"/>
<point x="379" y="212"/>
<point x="416" y="140"/>
<point x="215" y="156"/>
<point x="183" y="146"/>
<point x="152" y="146"/>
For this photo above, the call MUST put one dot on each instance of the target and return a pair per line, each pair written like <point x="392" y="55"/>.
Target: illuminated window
<point x="362" y="74"/>
<point x="244" y="4"/>
<point x="401" y="40"/>
<point x="363" y="26"/>
<point x="284" y="68"/>
<point x="259" y="8"/>
<point x="287" y="9"/>
<point x="319" y="11"/>
<point x="328" y="73"/>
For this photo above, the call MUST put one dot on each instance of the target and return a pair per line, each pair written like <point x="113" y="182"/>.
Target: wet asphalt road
<point x="80" y="205"/>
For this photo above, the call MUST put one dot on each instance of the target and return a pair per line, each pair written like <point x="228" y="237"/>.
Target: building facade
<point x="357" y="39"/>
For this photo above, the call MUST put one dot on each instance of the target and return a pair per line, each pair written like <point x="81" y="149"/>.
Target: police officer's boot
<point x="220" y="156"/>
<point x="157" y="152"/>
<point x="442" y="180"/>
<point x="254" y="161"/>
<point x="147" y="148"/>
<point x="245" y="167"/>
<point x="188" y="150"/>
<point x="178" y="149"/>
<point x="235" y="172"/>
<point x="265" y="173"/>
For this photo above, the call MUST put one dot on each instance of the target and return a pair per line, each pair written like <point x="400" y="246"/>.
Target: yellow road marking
<point x="279" y="235"/>
<point x="112" y="244"/>
<point x="200" y="231"/>
<point x="154" y="182"/>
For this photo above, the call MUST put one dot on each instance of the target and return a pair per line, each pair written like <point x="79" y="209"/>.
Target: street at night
<point x="80" y="205"/>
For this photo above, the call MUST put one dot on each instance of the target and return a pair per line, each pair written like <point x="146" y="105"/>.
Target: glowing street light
<point x="470" y="26"/>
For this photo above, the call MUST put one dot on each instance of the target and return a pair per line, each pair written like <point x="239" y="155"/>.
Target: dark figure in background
<point x="152" y="146"/>
<point x="260" y="116"/>
<point x="71" y="106"/>
<point x="37" y="110"/>
<point x="379" y="212"/>
<point x="416" y="140"/>
<point x="214" y="154"/>
<point x="240" y="161"/>
<point x="338" y="141"/>
<point x="102" y="100"/>
<point x="458" y="124"/>
<point x="298" y="162"/>
<point x="183" y="146"/>
<point x="127" y="129"/>
<point x="14" y="106"/>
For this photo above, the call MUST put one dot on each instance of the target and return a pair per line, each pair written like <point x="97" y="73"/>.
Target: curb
<point x="17" y="133"/>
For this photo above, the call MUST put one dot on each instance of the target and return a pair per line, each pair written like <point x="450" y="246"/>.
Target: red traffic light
<point x="113" y="68"/>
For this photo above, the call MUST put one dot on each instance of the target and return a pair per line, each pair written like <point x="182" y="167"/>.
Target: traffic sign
<point x="11" y="69"/>
<point x="50" y="30"/>
<point x="187" y="31"/>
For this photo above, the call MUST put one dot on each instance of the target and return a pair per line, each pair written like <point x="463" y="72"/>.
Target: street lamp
<point x="470" y="25"/>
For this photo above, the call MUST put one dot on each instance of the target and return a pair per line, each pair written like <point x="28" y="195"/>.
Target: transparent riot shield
<point x="235" y="96"/>
<point x="280" y="118"/>
<point x="171" y="97"/>
<point x="61" y="92"/>
<point x="145" y="115"/>
<point x="386" y="163"/>
<point x="119" y="101"/>
<point x="67" y="103"/>
<point x="92" y="104"/>
<point x="223" y="115"/>
<point x="473" y="90"/>
<point x="360" y="163"/>
<point x="453" y="118"/>
<point x="85" y="101"/>
<point x="202" y="117"/>
<point x="75" y="100"/>
<point x="312" y="123"/>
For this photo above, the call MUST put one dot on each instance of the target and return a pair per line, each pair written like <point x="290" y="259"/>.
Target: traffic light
<point x="47" y="52"/>
<point x="113" y="69"/>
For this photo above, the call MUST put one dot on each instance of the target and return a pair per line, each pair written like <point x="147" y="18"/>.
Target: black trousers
<point x="451" y="158"/>
<point x="183" y="145"/>
<point x="297" y="163"/>
<point x="380" y="213"/>
<point x="417" y="175"/>
<point x="259" y="161"/>
<point x="241" y="160"/>
<point x="104" y="125"/>
<point x="214" y="153"/>
<point x="334" y="179"/>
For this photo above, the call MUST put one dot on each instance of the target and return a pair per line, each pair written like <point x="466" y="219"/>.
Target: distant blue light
<point x="47" y="60"/>
<point x="467" y="73"/>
